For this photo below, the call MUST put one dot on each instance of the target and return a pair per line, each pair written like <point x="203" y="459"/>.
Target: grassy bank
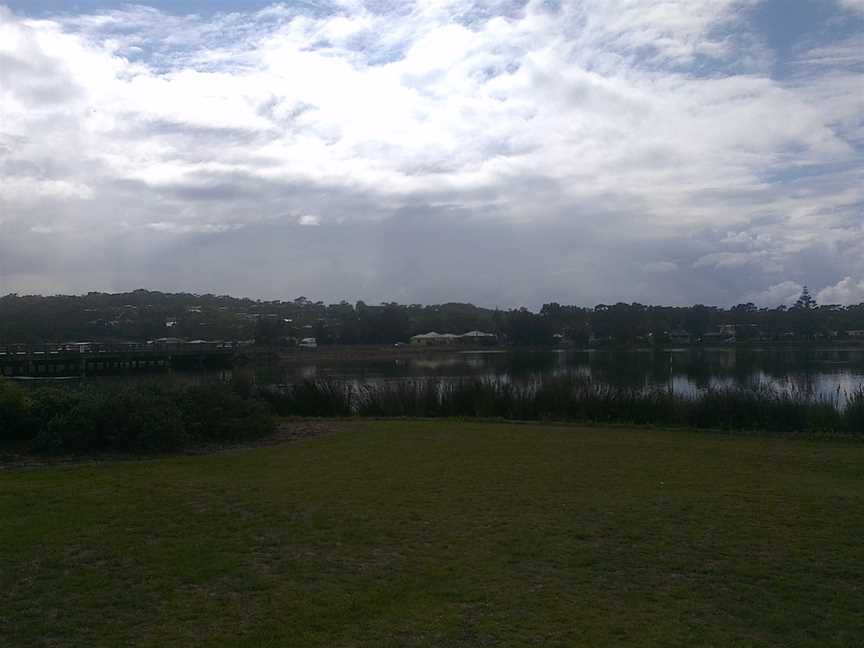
<point x="443" y="534"/>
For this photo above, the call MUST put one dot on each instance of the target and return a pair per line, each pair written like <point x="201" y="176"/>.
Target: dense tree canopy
<point x="144" y="315"/>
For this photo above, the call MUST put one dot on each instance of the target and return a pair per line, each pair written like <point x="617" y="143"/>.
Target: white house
<point x="439" y="339"/>
<point x="433" y="339"/>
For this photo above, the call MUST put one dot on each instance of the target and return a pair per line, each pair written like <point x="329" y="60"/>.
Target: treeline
<point x="145" y="315"/>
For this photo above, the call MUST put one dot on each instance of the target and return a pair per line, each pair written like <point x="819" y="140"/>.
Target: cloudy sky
<point x="502" y="152"/>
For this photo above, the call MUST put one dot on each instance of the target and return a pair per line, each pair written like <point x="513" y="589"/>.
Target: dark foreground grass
<point x="444" y="534"/>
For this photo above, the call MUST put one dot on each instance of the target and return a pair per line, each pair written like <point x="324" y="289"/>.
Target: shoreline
<point x="338" y="353"/>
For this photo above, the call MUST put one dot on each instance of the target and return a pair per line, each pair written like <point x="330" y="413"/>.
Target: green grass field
<point x="443" y="534"/>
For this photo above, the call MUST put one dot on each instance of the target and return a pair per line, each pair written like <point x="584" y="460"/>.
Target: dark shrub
<point x="49" y="402"/>
<point x="129" y="419"/>
<point x="148" y="422"/>
<point x="243" y="384"/>
<point x="79" y="429"/>
<point x="15" y="409"/>
<point x="218" y="413"/>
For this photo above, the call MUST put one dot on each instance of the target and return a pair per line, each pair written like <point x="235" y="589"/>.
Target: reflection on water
<point x="817" y="371"/>
<point x="820" y="371"/>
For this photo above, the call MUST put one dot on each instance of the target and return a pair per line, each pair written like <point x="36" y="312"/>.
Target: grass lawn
<point x="443" y="534"/>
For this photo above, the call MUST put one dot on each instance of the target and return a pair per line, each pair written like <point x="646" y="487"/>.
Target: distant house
<point x="433" y="339"/>
<point x="478" y="338"/>
<point x="80" y="347"/>
<point x="471" y="338"/>
<point x="855" y="334"/>
<point x="308" y="343"/>
<point x="167" y="343"/>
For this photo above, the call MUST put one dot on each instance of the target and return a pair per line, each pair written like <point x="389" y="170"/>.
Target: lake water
<point x="818" y="370"/>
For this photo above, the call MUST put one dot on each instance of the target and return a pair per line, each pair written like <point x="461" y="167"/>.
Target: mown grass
<point x="444" y="534"/>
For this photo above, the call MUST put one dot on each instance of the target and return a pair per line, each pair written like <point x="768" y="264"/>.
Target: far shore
<point x="350" y="352"/>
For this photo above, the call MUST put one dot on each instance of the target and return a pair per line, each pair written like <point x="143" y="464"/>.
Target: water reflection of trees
<point x="804" y="370"/>
<point x="798" y="369"/>
<point x="627" y="369"/>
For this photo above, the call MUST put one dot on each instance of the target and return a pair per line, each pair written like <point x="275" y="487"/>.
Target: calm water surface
<point x="823" y="371"/>
<point x="819" y="371"/>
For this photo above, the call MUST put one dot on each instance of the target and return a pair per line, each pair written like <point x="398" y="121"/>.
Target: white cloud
<point x="847" y="291"/>
<point x="192" y="228"/>
<point x="465" y="107"/>
<point x="309" y="220"/>
<point x="660" y="267"/>
<point x="852" y="5"/>
<point x="660" y="113"/>
<point x="730" y="260"/>
<point x="781" y="294"/>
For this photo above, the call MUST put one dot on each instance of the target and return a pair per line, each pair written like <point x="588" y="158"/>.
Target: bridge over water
<point x="86" y="358"/>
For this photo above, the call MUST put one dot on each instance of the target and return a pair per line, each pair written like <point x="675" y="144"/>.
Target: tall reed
<point x="575" y="397"/>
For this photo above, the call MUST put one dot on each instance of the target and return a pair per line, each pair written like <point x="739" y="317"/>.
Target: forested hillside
<point x="145" y="315"/>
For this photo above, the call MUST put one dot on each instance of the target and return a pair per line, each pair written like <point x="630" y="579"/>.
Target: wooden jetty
<point x="86" y="358"/>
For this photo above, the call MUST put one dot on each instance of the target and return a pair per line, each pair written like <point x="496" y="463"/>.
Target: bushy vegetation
<point x="158" y="417"/>
<point x="15" y="408"/>
<point x="139" y="418"/>
<point x="576" y="398"/>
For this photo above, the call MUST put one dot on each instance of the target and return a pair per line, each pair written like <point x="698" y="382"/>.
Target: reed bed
<point x="154" y="418"/>
<point x="577" y="398"/>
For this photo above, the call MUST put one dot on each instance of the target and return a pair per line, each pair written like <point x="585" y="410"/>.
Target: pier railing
<point x="82" y="358"/>
<point x="204" y="346"/>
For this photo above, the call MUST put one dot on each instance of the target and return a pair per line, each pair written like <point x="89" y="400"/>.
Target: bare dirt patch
<point x="286" y="432"/>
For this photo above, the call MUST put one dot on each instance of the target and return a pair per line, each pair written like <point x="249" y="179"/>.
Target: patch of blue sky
<point x="376" y="54"/>
<point x="789" y="28"/>
<point x="699" y="65"/>
<point x="786" y="175"/>
<point x="176" y="7"/>
<point x="480" y="12"/>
